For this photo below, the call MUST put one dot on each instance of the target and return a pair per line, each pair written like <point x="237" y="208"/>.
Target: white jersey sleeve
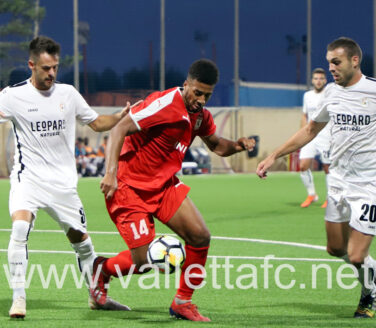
<point x="320" y="114"/>
<point x="84" y="113"/>
<point x="5" y="108"/>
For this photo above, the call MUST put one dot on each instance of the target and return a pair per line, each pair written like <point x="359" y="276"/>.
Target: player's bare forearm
<point x="115" y="142"/>
<point x="224" y="147"/>
<point x="107" y="122"/>
<point x="108" y="184"/>
<point x="298" y="140"/>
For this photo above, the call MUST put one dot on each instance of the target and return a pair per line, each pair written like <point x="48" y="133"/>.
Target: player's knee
<point x="335" y="251"/>
<point x="76" y="236"/>
<point x="201" y="239"/>
<point x="303" y="167"/>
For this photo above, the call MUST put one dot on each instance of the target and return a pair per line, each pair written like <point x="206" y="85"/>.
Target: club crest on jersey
<point x="364" y="102"/>
<point x="62" y="107"/>
<point x="198" y="122"/>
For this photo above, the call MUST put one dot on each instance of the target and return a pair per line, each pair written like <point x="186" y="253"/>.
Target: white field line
<point x="263" y="241"/>
<point x="271" y="258"/>
<point x="250" y="240"/>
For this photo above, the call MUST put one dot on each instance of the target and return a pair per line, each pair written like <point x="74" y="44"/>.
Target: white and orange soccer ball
<point x="167" y="253"/>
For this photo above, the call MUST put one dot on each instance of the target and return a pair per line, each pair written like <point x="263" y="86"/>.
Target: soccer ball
<point x="167" y="253"/>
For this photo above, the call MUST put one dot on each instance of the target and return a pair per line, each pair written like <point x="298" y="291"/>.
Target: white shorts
<point x="352" y="202"/>
<point x="318" y="146"/>
<point x="63" y="205"/>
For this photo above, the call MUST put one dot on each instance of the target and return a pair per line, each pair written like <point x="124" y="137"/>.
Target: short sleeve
<point x="157" y="110"/>
<point x="84" y="113"/>
<point x="321" y="113"/>
<point x="5" y="106"/>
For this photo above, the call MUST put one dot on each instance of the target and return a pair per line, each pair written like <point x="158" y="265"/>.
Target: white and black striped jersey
<point x="44" y="124"/>
<point x="352" y="115"/>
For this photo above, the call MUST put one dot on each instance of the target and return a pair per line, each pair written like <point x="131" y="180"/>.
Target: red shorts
<point x="132" y="210"/>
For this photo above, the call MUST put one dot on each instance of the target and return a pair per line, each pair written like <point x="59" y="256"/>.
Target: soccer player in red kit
<point x="145" y="151"/>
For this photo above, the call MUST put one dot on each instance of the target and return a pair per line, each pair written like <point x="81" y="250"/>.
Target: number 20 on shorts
<point x="369" y="213"/>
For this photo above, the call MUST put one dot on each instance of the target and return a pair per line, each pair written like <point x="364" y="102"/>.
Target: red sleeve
<point x="158" y="108"/>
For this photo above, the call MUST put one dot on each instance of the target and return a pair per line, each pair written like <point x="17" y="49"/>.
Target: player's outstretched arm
<point x="115" y="142"/>
<point x="224" y="147"/>
<point x="107" y="122"/>
<point x="298" y="140"/>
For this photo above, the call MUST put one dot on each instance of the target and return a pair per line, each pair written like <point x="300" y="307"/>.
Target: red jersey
<point x="149" y="158"/>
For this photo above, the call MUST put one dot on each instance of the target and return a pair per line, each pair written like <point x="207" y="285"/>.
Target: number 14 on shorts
<point x="141" y="229"/>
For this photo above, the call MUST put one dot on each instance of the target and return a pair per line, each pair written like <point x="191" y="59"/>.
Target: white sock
<point x="370" y="263"/>
<point x="307" y="179"/>
<point x="18" y="257"/>
<point x="85" y="257"/>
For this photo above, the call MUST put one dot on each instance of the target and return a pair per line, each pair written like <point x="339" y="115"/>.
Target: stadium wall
<point x="272" y="125"/>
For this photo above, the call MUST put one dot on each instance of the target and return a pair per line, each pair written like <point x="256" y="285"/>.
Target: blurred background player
<point x="320" y="145"/>
<point x="144" y="152"/>
<point x="44" y="174"/>
<point x="101" y="155"/>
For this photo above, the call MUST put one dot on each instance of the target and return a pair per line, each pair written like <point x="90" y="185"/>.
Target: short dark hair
<point x="349" y="45"/>
<point x="43" y="44"/>
<point x="204" y="71"/>
<point x="319" y="70"/>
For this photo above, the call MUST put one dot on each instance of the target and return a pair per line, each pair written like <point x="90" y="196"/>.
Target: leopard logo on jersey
<point x="347" y="119"/>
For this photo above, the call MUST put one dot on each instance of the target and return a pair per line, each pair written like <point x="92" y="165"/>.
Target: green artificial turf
<point x="257" y="218"/>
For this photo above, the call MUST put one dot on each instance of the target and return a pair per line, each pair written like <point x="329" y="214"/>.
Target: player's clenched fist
<point x="246" y="143"/>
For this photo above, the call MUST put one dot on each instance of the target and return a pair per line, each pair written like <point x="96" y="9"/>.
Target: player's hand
<point x="247" y="143"/>
<point x="128" y="107"/>
<point x="2" y="114"/>
<point x="108" y="185"/>
<point x="262" y="168"/>
<point x="125" y="110"/>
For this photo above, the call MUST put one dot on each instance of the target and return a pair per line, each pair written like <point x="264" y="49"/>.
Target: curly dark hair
<point x="204" y="71"/>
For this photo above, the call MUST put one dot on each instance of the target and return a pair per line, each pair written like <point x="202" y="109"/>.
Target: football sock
<point x="18" y="257"/>
<point x="370" y="261"/>
<point x="196" y="256"/>
<point x="85" y="257"/>
<point x="124" y="263"/>
<point x="346" y="258"/>
<point x="368" y="265"/>
<point x="307" y="179"/>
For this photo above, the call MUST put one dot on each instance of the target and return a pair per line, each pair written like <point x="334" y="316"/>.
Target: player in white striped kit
<point x="320" y="145"/>
<point x="43" y="114"/>
<point x="349" y="105"/>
